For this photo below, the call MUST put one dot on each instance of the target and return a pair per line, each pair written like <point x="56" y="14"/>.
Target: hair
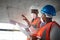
<point x="35" y="11"/>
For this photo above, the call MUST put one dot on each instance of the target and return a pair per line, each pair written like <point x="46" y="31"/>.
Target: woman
<point x="34" y="24"/>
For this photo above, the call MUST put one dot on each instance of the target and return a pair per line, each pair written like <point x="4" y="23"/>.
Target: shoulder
<point x="55" y="32"/>
<point x="38" y="18"/>
<point x="55" y="26"/>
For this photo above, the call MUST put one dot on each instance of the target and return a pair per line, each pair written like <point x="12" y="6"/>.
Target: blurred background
<point x="13" y="9"/>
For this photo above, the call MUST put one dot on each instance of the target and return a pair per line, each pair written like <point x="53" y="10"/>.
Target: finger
<point x="23" y="15"/>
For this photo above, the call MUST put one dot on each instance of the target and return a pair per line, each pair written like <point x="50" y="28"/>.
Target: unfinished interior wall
<point x="13" y="9"/>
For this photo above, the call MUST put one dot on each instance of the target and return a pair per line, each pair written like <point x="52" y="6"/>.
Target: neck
<point x="49" y="20"/>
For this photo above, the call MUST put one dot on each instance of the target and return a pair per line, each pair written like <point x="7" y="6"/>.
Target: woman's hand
<point x="24" y="18"/>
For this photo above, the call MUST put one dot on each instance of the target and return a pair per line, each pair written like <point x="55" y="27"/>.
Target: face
<point x="33" y="15"/>
<point x="43" y="17"/>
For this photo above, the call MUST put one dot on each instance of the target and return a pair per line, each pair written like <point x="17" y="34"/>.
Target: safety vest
<point x="35" y="25"/>
<point x="46" y="28"/>
<point x="36" y="22"/>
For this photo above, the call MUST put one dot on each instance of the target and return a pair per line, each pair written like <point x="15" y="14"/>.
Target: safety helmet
<point x="49" y="10"/>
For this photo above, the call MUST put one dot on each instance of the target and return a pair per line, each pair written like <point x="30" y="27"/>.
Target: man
<point x="34" y="24"/>
<point x="51" y="30"/>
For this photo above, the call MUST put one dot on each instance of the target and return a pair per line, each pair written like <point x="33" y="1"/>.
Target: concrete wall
<point x="13" y="9"/>
<point x="57" y="17"/>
